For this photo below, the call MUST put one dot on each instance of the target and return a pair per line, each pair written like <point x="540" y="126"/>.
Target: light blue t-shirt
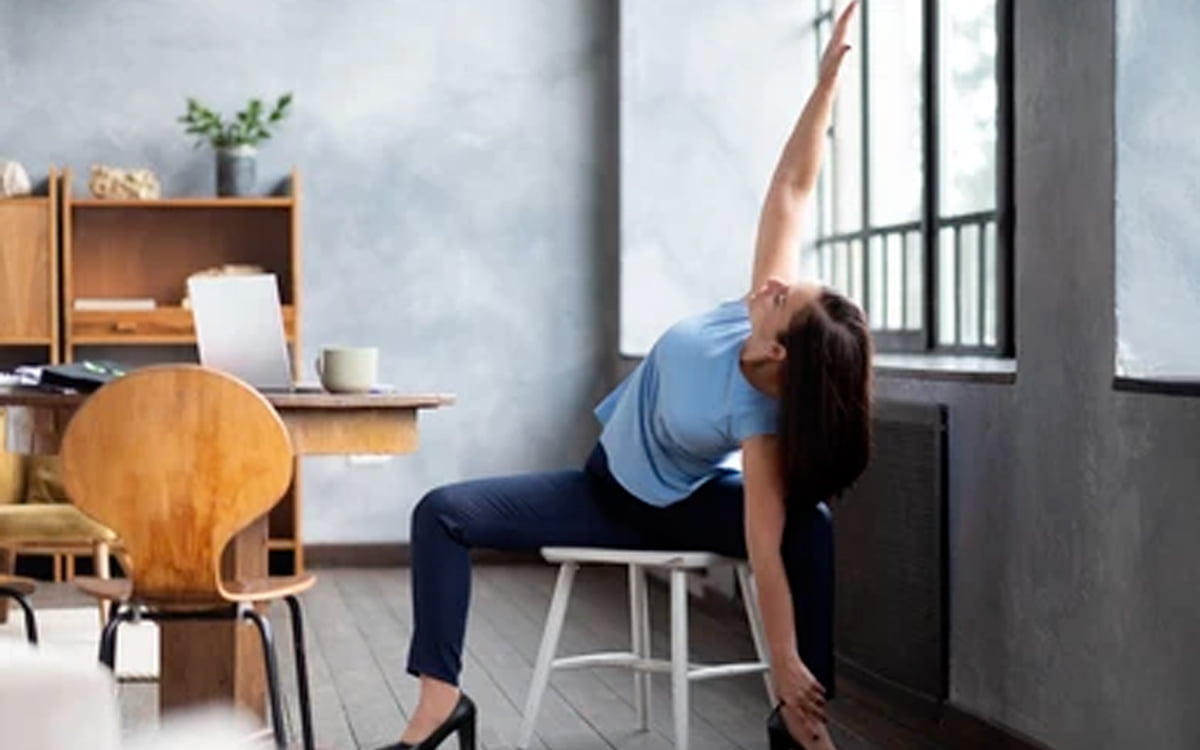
<point x="685" y="409"/>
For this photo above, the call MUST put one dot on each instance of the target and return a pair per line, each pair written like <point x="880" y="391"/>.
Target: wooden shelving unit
<point x="147" y="249"/>
<point x="29" y="302"/>
<point x="29" y="275"/>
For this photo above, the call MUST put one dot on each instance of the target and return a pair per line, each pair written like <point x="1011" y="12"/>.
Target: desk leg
<point x="218" y="661"/>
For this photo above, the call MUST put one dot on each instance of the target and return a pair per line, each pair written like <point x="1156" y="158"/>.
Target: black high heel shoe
<point x="778" y="736"/>
<point x="462" y="720"/>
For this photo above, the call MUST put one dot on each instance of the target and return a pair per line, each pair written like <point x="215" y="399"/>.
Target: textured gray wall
<point x="1075" y="573"/>
<point x="457" y="165"/>
<point x="1158" y="188"/>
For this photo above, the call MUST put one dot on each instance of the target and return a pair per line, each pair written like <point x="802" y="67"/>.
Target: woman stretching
<point x="782" y="374"/>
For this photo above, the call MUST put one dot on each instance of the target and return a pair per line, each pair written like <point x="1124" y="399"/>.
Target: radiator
<point x="891" y="605"/>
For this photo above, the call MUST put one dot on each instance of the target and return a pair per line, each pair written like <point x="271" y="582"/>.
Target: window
<point x="914" y="210"/>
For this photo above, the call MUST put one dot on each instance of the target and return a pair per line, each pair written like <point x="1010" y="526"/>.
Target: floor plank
<point x="358" y="626"/>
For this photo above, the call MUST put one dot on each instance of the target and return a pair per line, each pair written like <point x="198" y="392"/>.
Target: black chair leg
<point x="31" y="632"/>
<point x="268" y="643"/>
<point x="108" y="637"/>
<point x="301" y="671"/>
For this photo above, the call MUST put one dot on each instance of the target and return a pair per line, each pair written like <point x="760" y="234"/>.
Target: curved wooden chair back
<point x="176" y="459"/>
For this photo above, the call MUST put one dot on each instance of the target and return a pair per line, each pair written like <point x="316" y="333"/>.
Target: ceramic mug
<point x="348" y="369"/>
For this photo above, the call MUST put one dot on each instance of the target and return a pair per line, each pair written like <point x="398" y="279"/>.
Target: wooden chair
<point x="19" y="589"/>
<point x="177" y="459"/>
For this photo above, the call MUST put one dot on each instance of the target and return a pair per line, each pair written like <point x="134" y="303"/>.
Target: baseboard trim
<point x="394" y="556"/>
<point x="943" y="723"/>
<point x="968" y="730"/>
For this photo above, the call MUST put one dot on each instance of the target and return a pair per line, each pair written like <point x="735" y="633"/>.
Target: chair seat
<point x="682" y="560"/>
<point x="266" y="589"/>
<point x="36" y="523"/>
<point x="20" y="584"/>
<point x="254" y="590"/>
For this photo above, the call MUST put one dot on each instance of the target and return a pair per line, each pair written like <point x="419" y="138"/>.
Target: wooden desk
<point x="207" y="661"/>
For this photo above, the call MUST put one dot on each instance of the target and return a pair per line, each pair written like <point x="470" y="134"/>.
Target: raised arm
<point x="777" y="246"/>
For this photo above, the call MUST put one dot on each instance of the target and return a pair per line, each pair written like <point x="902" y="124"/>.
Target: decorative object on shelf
<point x="229" y="269"/>
<point x="116" y="183"/>
<point x="115" y="304"/>
<point x="14" y="180"/>
<point x="236" y="140"/>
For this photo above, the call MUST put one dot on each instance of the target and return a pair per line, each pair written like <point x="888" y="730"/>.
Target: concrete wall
<point x="458" y="165"/>
<point x="1075" y="573"/>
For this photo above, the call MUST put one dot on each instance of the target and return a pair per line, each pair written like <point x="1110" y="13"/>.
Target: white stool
<point x="638" y="658"/>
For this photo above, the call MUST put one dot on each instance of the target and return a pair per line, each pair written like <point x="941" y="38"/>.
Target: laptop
<point x="239" y="329"/>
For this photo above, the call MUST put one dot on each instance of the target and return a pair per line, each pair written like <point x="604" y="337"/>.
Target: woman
<point x="782" y="374"/>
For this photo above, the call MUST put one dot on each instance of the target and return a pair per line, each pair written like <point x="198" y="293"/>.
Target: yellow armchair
<point x="35" y="514"/>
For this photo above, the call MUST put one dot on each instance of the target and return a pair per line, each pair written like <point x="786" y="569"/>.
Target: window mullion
<point x="865" y="161"/>
<point x="930" y="167"/>
<point x="1005" y="253"/>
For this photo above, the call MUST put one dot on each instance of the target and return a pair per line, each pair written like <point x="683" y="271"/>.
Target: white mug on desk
<point x="348" y="369"/>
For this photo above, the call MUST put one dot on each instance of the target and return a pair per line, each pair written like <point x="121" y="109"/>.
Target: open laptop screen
<point x="239" y="328"/>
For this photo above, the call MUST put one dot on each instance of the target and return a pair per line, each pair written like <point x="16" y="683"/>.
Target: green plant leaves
<point x="246" y="128"/>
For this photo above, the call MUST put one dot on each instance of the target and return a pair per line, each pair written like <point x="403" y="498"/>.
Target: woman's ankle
<point x="438" y="691"/>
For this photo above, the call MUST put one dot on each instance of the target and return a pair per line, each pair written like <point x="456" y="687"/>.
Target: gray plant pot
<point x="236" y="170"/>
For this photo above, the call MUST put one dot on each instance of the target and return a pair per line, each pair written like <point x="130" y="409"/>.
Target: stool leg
<point x="679" y="656"/>
<point x="545" y="657"/>
<point x="100" y="561"/>
<point x="757" y="632"/>
<point x="639" y="631"/>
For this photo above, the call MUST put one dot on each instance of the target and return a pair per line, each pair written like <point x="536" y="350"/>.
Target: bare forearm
<point x="796" y="173"/>
<point x="776" y="247"/>
<point x="775" y="603"/>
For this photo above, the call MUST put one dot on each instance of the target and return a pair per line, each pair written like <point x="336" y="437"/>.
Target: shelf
<point x="25" y="200"/>
<point x="163" y="325"/>
<point x="197" y="202"/>
<point x="26" y="341"/>
<point x="282" y="544"/>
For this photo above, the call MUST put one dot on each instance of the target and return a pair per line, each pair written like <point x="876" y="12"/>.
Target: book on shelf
<point x="115" y="304"/>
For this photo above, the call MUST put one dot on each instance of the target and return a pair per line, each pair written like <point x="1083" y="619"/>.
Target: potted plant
<point x="236" y="140"/>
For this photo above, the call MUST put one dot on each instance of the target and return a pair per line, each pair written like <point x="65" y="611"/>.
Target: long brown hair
<point x="825" y="400"/>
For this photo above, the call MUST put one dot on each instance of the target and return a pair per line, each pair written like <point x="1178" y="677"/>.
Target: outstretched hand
<point x="802" y="696"/>
<point x="836" y="49"/>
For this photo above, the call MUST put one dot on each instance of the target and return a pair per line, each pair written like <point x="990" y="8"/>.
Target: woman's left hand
<point x="836" y="49"/>
<point x="799" y="691"/>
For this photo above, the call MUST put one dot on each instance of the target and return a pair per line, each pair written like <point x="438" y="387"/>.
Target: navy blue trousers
<point x="588" y="508"/>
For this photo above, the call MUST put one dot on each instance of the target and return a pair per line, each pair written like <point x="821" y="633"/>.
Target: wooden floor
<point x="359" y="624"/>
